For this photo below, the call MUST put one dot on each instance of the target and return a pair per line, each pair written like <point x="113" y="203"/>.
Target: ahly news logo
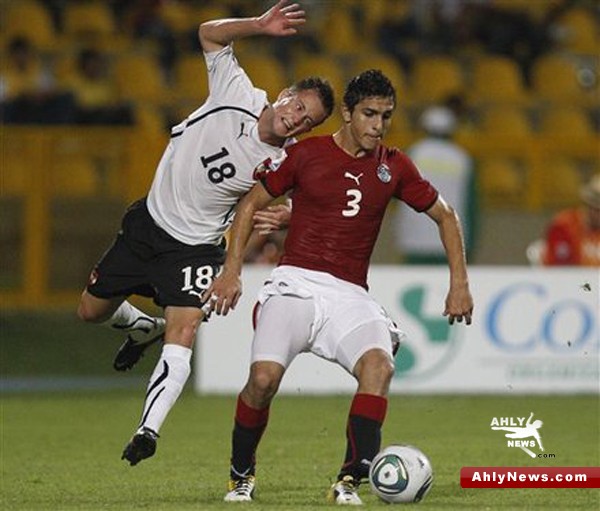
<point x="522" y="434"/>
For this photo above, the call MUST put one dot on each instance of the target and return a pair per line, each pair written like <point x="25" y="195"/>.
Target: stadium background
<point x="523" y="73"/>
<point x="526" y="86"/>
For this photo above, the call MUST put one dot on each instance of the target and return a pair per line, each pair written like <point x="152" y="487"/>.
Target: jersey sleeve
<point x="413" y="188"/>
<point x="278" y="176"/>
<point x="227" y="80"/>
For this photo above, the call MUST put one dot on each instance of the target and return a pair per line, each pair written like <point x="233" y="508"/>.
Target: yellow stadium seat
<point x="84" y="18"/>
<point x="340" y="35"/>
<point x="15" y="179"/>
<point x="74" y="177"/>
<point x="139" y="79"/>
<point x="501" y="182"/>
<point x="435" y="78"/>
<point x="555" y="80"/>
<point x="560" y="182"/>
<point x="266" y="72"/>
<point x="566" y="122"/>
<point x="579" y="29"/>
<point x="497" y="80"/>
<point x="376" y="12"/>
<point x="93" y="24"/>
<point x="29" y="19"/>
<point x="191" y="80"/>
<point x="401" y="134"/>
<point x="212" y="11"/>
<point x="505" y="122"/>
<point x="323" y="66"/>
<point x="179" y="16"/>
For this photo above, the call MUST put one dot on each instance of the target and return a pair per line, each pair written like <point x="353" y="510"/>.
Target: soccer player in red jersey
<point x="316" y="299"/>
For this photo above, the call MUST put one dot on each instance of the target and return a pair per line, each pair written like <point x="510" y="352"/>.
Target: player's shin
<point x="249" y="426"/>
<point x="165" y="385"/>
<point x="363" y="434"/>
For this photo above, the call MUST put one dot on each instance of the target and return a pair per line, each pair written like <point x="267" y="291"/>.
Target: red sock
<point x="363" y="434"/>
<point x="250" y="424"/>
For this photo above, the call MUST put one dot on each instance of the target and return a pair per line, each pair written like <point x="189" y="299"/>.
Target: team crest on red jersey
<point x="383" y="173"/>
<point x="269" y="165"/>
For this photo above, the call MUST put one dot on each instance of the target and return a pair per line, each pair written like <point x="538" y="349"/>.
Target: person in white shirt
<point x="449" y="168"/>
<point x="170" y="246"/>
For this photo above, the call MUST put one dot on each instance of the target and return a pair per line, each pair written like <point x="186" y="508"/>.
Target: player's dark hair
<point x="323" y="88"/>
<point x="368" y="84"/>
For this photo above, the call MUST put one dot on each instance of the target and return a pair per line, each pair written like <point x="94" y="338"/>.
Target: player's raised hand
<point x="459" y="305"/>
<point x="223" y="294"/>
<point x="273" y="218"/>
<point x="282" y="19"/>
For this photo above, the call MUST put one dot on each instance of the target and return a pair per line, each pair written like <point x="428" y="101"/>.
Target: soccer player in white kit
<point x="316" y="300"/>
<point x="170" y="246"/>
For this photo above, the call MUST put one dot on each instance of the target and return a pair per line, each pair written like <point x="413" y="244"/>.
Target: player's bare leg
<point x="167" y="381"/>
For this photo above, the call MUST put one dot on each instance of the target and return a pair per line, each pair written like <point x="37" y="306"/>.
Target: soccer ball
<point x="400" y="473"/>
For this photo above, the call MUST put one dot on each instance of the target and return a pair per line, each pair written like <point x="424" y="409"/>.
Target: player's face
<point x="295" y="113"/>
<point x="368" y="123"/>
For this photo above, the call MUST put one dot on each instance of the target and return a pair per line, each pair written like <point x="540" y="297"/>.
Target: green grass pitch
<point x="62" y="451"/>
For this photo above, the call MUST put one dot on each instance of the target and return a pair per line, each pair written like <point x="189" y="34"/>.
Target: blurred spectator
<point x="28" y="92"/>
<point x="450" y="169"/>
<point x="573" y="236"/>
<point x="95" y="94"/>
<point x="398" y="33"/>
<point x="145" y="22"/>
<point x="509" y="32"/>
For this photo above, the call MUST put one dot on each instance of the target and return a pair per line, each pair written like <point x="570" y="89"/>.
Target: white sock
<point x="130" y="319"/>
<point x="165" y="385"/>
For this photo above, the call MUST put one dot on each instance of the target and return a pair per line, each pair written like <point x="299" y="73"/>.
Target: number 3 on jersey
<point x="353" y="204"/>
<point x="218" y="172"/>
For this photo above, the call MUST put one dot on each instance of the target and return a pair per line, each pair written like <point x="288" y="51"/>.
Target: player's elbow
<point x="202" y="35"/>
<point x="207" y="37"/>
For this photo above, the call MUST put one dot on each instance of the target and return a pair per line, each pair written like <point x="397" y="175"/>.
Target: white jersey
<point x="209" y="162"/>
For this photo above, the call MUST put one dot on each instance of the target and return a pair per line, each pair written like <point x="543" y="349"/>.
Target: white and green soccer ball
<point x="400" y="474"/>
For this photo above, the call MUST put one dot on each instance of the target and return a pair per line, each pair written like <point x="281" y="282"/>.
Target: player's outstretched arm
<point x="459" y="302"/>
<point x="280" y="20"/>
<point x="226" y="289"/>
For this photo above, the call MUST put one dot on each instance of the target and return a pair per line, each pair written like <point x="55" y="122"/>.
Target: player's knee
<point x="375" y="365"/>
<point x="182" y="334"/>
<point x="87" y="313"/>
<point x="264" y="383"/>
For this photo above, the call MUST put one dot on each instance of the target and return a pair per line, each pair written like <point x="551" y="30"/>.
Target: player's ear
<point x="346" y="114"/>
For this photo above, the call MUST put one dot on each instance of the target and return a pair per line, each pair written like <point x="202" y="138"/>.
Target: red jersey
<point x="339" y="203"/>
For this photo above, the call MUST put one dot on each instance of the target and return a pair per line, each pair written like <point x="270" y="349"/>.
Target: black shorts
<point x="145" y="260"/>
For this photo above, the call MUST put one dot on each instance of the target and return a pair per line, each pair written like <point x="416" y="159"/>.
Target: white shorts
<point x="309" y="311"/>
